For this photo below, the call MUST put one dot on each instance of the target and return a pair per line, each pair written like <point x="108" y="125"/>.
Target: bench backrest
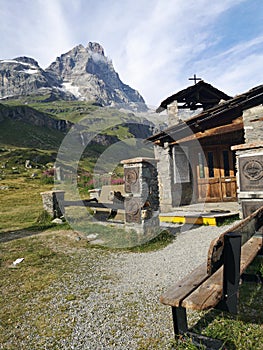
<point x="247" y="228"/>
<point x="105" y="195"/>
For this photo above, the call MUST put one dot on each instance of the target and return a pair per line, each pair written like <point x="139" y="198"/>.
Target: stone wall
<point x="250" y="162"/>
<point x="53" y="203"/>
<point x="182" y="182"/>
<point x="173" y="115"/>
<point x="165" y="172"/>
<point x="175" y="177"/>
<point x="253" y="124"/>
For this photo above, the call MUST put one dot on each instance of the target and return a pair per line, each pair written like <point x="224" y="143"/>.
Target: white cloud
<point x="168" y="38"/>
<point x="155" y="45"/>
<point x="236" y="69"/>
<point x="34" y="28"/>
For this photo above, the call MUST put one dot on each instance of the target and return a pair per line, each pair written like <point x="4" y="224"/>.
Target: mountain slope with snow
<point x="83" y="73"/>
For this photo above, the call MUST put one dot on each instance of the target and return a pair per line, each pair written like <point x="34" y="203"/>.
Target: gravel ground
<point x="116" y="298"/>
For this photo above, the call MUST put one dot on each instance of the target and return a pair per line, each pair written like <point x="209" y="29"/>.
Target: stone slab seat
<point x="198" y="290"/>
<point x="105" y="193"/>
<point x="106" y="199"/>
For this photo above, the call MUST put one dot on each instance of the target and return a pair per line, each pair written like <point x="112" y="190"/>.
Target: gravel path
<point x="124" y="312"/>
<point x="116" y="296"/>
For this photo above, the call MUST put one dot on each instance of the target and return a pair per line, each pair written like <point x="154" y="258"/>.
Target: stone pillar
<point x="172" y="110"/>
<point x="58" y="173"/>
<point x="249" y="177"/>
<point x="53" y="203"/>
<point x="142" y="195"/>
<point x="165" y="174"/>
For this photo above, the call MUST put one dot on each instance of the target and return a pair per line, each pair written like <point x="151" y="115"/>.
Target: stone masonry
<point x="165" y="172"/>
<point x="53" y="203"/>
<point x="253" y="124"/>
<point x="142" y="195"/>
<point x="250" y="162"/>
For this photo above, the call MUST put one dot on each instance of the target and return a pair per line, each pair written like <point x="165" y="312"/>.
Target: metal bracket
<point x="199" y="340"/>
<point x="179" y="320"/>
<point x="231" y="274"/>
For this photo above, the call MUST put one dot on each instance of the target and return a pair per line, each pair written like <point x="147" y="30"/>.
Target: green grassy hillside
<point x="20" y="134"/>
<point x="22" y="138"/>
<point x="85" y="112"/>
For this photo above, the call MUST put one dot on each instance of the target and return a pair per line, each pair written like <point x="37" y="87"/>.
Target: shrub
<point x="48" y="176"/>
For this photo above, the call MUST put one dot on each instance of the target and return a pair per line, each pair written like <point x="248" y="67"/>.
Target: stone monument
<point x="141" y="195"/>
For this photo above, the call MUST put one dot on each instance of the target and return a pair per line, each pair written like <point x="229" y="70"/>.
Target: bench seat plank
<point x="176" y="293"/>
<point x="209" y="293"/>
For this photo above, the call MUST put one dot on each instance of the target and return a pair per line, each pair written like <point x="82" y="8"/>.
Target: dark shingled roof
<point x="200" y="95"/>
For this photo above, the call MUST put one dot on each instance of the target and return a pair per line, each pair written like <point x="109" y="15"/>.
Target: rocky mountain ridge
<point x="83" y="73"/>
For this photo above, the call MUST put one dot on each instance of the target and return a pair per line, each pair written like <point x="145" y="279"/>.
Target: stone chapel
<point x="216" y="154"/>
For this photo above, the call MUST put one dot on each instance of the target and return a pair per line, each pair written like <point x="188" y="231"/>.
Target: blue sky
<point x="155" y="45"/>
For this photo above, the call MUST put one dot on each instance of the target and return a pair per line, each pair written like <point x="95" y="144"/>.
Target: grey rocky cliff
<point x="31" y="116"/>
<point x="80" y="74"/>
<point x="23" y="76"/>
<point x="89" y="75"/>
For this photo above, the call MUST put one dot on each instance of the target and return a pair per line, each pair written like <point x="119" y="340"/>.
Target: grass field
<point x="52" y="253"/>
<point x="21" y="203"/>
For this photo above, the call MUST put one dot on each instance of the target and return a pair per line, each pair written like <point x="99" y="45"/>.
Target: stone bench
<point x="214" y="284"/>
<point x="112" y="199"/>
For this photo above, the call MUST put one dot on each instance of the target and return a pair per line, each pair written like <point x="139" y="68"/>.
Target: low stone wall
<point x="53" y="203"/>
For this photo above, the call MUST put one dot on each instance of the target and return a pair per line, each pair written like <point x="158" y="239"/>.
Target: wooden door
<point x="228" y="175"/>
<point x="216" y="175"/>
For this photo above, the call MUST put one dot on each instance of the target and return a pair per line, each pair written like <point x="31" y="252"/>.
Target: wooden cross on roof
<point x="195" y="78"/>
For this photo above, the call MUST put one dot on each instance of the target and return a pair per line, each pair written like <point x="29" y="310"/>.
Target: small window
<point x="210" y="164"/>
<point x="226" y="163"/>
<point x="201" y="165"/>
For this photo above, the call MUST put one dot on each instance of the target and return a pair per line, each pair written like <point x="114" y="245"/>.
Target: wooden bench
<point x="214" y="284"/>
<point x="107" y="206"/>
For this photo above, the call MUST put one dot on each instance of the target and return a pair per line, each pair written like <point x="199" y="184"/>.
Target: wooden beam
<point x="176" y="293"/>
<point x="237" y="124"/>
